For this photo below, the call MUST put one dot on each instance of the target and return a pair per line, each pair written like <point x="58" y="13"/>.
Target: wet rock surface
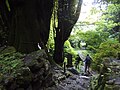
<point x="70" y="82"/>
<point x="109" y="77"/>
<point x="113" y="81"/>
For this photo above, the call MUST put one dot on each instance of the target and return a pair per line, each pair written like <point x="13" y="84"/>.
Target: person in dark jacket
<point x="87" y="61"/>
<point x="78" y="59"/>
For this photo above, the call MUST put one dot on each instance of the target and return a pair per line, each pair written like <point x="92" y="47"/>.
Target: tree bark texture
<point x="29" y="23"/>
<point x="67" y="17"/>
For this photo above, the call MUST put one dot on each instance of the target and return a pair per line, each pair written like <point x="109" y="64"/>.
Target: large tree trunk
<point x="67" y="17"/>
<point x="29" y="24"/>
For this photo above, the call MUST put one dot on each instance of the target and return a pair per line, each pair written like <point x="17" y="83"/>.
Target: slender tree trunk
<point x="66" y="21"/>
<point x="58" y="57"/>
<point x="59" y="44"/>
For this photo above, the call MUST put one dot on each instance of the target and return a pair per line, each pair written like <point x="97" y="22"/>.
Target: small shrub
<point x="108" y="49"/>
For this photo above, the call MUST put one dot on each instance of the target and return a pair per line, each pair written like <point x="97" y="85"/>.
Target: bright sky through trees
<point x="85" y="12"/>
<point x="85" y="9"/>
<point x="86" y="16"/>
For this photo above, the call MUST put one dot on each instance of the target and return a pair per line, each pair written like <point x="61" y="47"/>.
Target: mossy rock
<point x="24" y="77"/>
<point x="32" y="69"/>
<point x="36" y="60"/>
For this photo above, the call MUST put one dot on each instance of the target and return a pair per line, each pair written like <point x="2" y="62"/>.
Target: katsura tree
<point x="68" y="15"/>
<point x="28" y="22"/>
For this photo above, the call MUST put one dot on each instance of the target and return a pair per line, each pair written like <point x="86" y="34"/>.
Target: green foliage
<point x="7" y="4"/>
<point x="102" y="40"/>
<point x="93" y="11"/>
<point x="109" y="20"/>
<point x="76" y="38"/>
<point x="53" y="25"/>
<point x="92" y="38"/>
<point x="91" y="48"/>
<point x="50" y="45"/>
<point x="10" y="63"/>
<point x="68" y="48"/>
<point x="110" y="1"/>
<point x="108" y="49"/>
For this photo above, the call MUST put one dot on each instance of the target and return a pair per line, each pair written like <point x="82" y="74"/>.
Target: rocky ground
<point x="37" y="73"/>
<point x="113" y="81"/>
<point x="70" y="82"/>
<point x="74" y="82"/>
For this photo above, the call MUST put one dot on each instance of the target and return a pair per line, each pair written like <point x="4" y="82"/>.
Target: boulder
<point x="34" y="74"/>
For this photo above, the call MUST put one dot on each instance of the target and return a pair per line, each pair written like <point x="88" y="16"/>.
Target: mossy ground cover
<point x="10" y="64"/>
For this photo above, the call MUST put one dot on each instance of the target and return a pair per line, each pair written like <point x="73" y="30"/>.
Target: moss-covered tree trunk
<point x="29" y="23"/>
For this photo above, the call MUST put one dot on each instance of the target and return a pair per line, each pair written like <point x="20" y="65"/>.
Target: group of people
<point x="87" y="61"/>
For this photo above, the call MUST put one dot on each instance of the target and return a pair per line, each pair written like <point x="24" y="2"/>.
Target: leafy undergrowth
<point x="107" y="50"/>
<point x="10" y="63"/>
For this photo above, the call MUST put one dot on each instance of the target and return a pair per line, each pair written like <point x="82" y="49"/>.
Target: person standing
<point x="87" y="61"/>
<point x="78" y="59"/>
